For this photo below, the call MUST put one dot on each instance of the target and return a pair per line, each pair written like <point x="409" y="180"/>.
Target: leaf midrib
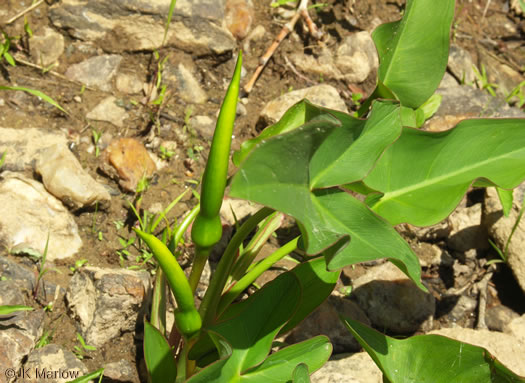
<point x="397" y="45"/>
<point x="348" y="231"/>
<point x="437" y="180"/>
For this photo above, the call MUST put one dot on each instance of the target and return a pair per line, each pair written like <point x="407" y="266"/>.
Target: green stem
<point x="158" y="304"/>
<point x="210" y="301"/>
<point x="246" y="257"/>
<point x="165" y="211"/>
<point x="255" y="273"/>
<point x="199" y="262"/>
<point x="186" y="222"/>
<point x="186" y="315"/>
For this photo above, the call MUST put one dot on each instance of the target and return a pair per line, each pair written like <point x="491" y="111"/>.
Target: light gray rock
<point x="353" y="61"/>
<point x="128" y="83"/>
<point x="466" y="231"/>
<point x="107" y="302"/>
<point x="108" y="110"/>
<point x="325" y="321"/>
<point x="392" y="301"/>
<point x="516" y="328"/>
<point x="432" y="233"/>
<point x="64" y="177"/>
<point x="12" y="271"/>
<point x="501" y="74"/>
<point x="10" y="292"/>
<point x="19" y="331"/>
<point x="47" y="153"/>
<point x="321" y="66"/>
<point x="21" y="279"/>
<point x="448" y="81"/>
<point x="197" y="25"/>
<point x="357" y="57"/>
<point x="203" y="125"/>
<point x="188" y="87"/>
<point x="508" y="349"/>
<point x="29" y="144"/>
<point x="97" y="72"/>
<point x="53" y="364"/>
<point x="463" y="307"/>
<point x="28" y="213"/>
<point x="46" y="47"/>
<point x="241" y="208"/>
<point x="499" y="228"/>
<point x="462" y="102"/>
<point x="256" y="34"/>
<point x="121" y="371"/>
<point x="461" y="65"/>
<point x="432" y="255"/>
<point x="323" y="95"/>
<point x="498" y="317"/>
<point x="349" y="368"/>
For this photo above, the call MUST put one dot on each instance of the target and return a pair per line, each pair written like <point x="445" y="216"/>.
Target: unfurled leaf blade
<point x="424" y="175"/>
<point x="280" y="366"/>
<point x="348" y="153"/>
<point x="90" y="377"/>
<point x="429" y="358"/>
<point x="244" y="336"/>
<point x="158" y="355"/>
<point x="317" y="283"/>
<point x="300" y="374"/>
<point x="506" y="198"/>
<point x="413" y="52"/>
<point x="329" y="218"/>
<point x="296" y="116"/>
<point x="10" y="309"/>
<point x="36" y="93"/>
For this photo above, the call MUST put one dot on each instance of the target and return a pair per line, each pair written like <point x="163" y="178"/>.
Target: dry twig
<point x="56" y="74"/>
<point x="302" y="11"/>
<point x="485" y="10"/>
<point x="483" y="286"/>
<point x="29" y="9"/>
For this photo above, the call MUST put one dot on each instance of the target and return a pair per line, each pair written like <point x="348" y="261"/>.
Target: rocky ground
<point x="71" y="178"/>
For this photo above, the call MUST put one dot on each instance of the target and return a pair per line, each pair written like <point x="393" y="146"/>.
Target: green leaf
<point x="506" y="198"/>
<point x="158" y="356"/>
<point x="408" y="117"/>
<point x="168" y="21"/>
<point x="424" y="175"/>
<point x="300" y="374"/>
<point x="281" y="366"/>
<point x="294" y="117"/>
<point x="10" y="60"/>
<point x="328" y="151"/>
<point x="429" y="107"/>
<point x="429" y="358"/>
<point x="9" y="309"/>
<point x="316" y="285"/>
<point x="347" y="154"/>
<point x="413" y="52"/>
<point x="89" y="377"/>
<point x="244" y="338"/>
<point x="36" y="93"/>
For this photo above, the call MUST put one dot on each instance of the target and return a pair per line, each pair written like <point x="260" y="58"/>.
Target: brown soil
<point x="100" y="230"/>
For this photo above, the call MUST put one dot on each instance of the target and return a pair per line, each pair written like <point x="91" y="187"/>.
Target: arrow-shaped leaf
<point x="429" y="358"/>
<point x="424" y="175"/>
<point x="245" y="339"/>
<point x="283" y="171"/>
<point x="413" y="52"/>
